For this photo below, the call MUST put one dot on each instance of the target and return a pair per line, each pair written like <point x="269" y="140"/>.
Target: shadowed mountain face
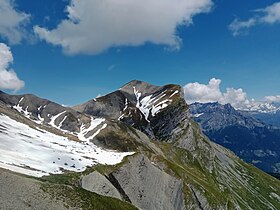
<point x="169" y="163"/>
<point x="252" y="140"/>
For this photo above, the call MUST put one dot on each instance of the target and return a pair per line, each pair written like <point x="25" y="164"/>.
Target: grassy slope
<point x="249" y="186"/>
<point x="77" y="197"/>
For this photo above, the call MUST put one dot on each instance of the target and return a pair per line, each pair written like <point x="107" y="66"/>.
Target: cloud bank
<point x="268" y="15"/>
<point x="211" y="92"/>
<point x="93" y="26"/>
<point x="8" y="78"/>
<point x="272" y="99"/>
<point x="196" y="92"/>
<point x="12" y="22"/>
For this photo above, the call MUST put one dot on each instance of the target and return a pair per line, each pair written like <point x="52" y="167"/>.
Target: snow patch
<point x="137" y="95"/>
<point x="175" y="92"/>
<point x="98" y="131"/>
<point x="37" y="152"/>
<point x="41" y="119"/>
<point x="28" y="114"/>
<point x="93" y="124"/>
<point x="121" y="117"/>
<point x="21" y="110"/>
<point x="126" y="104"/>
<point x="151" y="104"/>
<point x="198" y="115"/>
<point x="53" y="119"/>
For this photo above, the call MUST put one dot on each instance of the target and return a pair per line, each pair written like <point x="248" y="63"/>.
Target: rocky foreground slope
<point x="168" y="163"/>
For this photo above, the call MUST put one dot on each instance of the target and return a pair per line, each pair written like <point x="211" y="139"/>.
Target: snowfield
<point x="37" y="152"/>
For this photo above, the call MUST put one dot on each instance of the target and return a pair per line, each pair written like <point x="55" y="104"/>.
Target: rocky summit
<point x="135" y="148"/>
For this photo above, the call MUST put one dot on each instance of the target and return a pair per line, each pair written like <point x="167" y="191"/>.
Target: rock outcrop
<point x="149" y="187"/>
<point x="95" y="182"/>
<point x="18" y="193"/>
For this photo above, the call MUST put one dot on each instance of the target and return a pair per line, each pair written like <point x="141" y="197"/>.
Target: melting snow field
<point x="38" y="152"/>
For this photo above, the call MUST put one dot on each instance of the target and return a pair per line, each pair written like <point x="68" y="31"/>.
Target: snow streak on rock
<point x="151" y="104"/>
<point x="83" y="135"/>
<point x="53" y="119"/>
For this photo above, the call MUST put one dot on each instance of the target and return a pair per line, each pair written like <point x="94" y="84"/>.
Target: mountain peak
<point x="136" y="82"/>
<point x="141" y="105"/>
<point x="142" y="86"/>
<point x="147" y="88"/>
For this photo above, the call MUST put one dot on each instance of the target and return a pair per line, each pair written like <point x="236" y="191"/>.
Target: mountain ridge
<point x="251" y="139"/>
<point x="181" y="162"/>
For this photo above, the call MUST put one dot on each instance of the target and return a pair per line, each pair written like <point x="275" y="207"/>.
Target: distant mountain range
<point x="270" y="118"/>
<point x="268" y="112"/>
<point x="262" y="107"/>
<point x="135" y="148"/>
<point x="251" y="139"/>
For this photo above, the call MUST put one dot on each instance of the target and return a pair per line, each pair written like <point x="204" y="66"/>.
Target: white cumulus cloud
<point x="236" y="97"/>
<point x="268" y="15"/>
<point x="8" y="78"/>
<point x="93" y="26"/>
<point x="196" y="92"/>
<point x="211" y="92"/>
<point x="12" y="22"/>
<point x="272" y="99"/>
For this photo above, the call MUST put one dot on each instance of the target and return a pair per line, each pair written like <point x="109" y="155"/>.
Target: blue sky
<point x="209" y="49"/>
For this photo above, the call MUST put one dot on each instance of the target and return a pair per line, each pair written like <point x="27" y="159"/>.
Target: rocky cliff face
<point x="171" y="164"/>
<point x="140" y="182"/>
<point x="140" y="105"/>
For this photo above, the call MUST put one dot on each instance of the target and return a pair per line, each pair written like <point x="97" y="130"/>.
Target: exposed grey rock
<point x="201" y="201"/>
<point x="105" y="106"/>
<point x="148" y="187"/>
<point x="96" y="182"/>
<point x="43" y="109"/>
<point x="143" y="87"/>
<point x="188" y="141"/>
<point x="21" y="193"/>
<point x="122" y="105"/>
